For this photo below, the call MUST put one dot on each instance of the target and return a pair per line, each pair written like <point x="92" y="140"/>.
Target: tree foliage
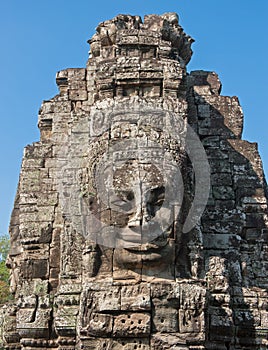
<point x="4" y="271"/>
<point x="4" y="247"/>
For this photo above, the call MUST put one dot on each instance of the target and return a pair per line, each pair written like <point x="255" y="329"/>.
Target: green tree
<point x="4" y="246"/>
<point x="4" y="271"/>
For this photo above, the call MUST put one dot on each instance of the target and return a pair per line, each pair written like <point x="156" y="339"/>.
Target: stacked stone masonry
<point x="204" y="289"/>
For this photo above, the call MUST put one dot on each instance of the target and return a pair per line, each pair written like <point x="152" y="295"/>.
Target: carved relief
<point x="141" y="216"/>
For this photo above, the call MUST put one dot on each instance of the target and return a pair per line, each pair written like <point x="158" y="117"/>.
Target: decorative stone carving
<point x="140" y="220"/>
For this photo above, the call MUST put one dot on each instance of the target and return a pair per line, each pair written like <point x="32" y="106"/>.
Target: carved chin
<point x="146" y="255"/>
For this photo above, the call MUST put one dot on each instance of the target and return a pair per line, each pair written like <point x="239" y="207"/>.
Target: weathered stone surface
<point x="132" y="325"/>
<point x="100" y="257"/>
<point x="135" y="297"/>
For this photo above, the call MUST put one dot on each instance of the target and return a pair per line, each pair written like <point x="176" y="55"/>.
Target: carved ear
<point x="201" y="168"/>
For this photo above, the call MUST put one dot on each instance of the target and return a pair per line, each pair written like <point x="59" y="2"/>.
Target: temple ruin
<point x="140" y="220"/>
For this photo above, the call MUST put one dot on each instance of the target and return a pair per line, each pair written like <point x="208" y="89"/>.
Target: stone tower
<point x="140" y="220"/>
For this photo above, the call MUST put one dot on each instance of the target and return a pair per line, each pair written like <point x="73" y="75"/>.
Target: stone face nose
<point x="136" y="220"/>
<point x="140" y="217"/>
<point x="142" y="213"/>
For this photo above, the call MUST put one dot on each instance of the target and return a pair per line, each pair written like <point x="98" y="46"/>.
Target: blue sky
<point x="38" y="38"/>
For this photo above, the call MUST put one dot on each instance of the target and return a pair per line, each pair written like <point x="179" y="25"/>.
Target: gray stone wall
<point x="140" y="220"/>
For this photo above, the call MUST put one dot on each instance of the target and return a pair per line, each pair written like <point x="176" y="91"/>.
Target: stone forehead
<point x="134" y="173"/>
<point x="136" y="112"/>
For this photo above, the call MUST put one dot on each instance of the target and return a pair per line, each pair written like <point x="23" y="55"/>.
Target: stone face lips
<point x="204" y="289"/>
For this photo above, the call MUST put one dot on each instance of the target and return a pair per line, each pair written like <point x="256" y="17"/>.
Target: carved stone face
<point x="138" y="194"/>
<point x="138" y="209"/>
<point x="134" y="186"/>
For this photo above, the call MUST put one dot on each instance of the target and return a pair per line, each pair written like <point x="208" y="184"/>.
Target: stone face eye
<point x="130" y="195"/>
<point x="155" y="200"/>
<point x="123" y="201"/>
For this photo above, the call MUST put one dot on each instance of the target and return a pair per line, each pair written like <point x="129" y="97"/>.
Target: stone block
<point x="100" y="325"/>
<point x="191" y="322"/>
<point x="220" y="166"/>
<point x="246" y="337"/>
<point x="222" y="327"/>
<point x="168" y="341"/>
<point x="222" y="179"/>
<point x="223" y="192"/>
<point x="115" y="344"/>
<point x="135" y="297"/>
<point x="37" y="268"/>
<point x="165" y="291"/>
<point x="132" y="325"/>
<point x="54" y="258"/>
<point x="221" y="241"/>
<point x="165" y="320"/>
<point x="108" y="300"/>
<point x="78" y="95"/>
<point x="246" y="318"/>
<point x="66" y="320"/>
